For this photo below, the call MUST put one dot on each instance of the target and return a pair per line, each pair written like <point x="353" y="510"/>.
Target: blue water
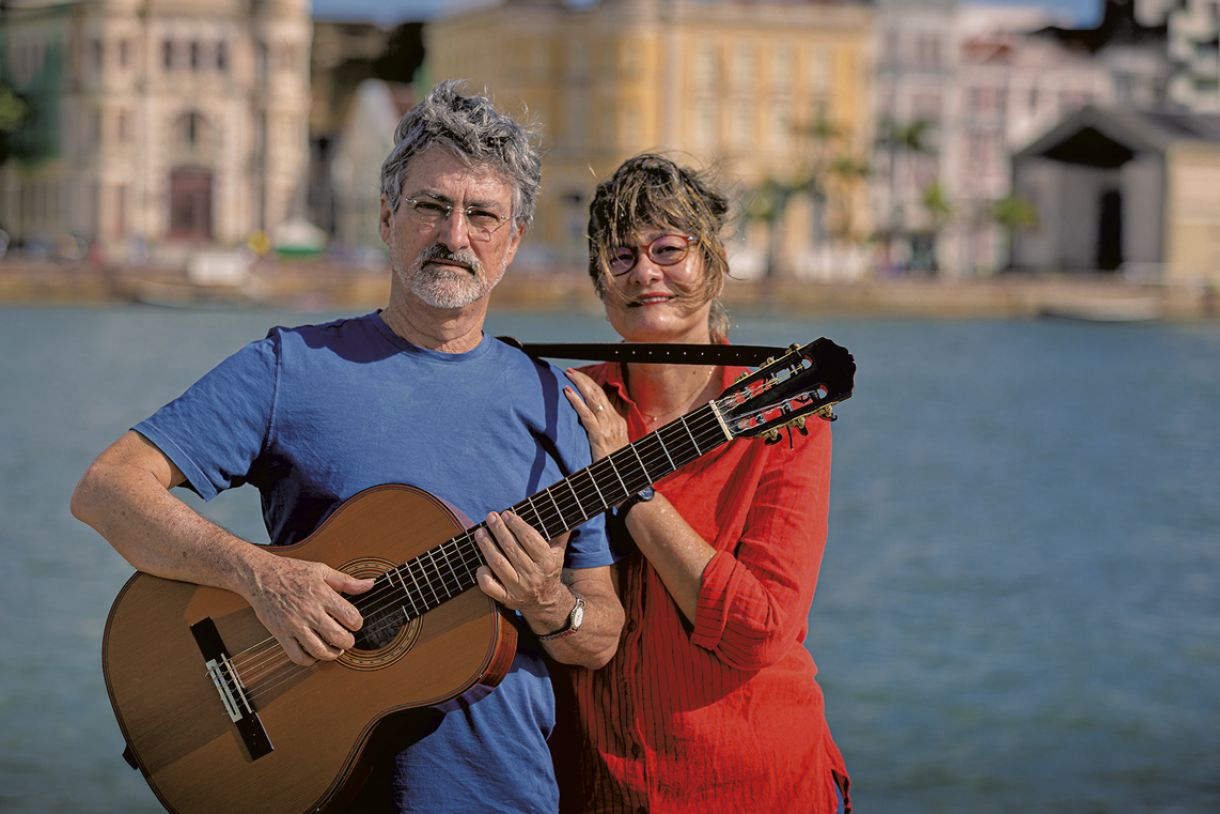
<point x="1019" y="608"/>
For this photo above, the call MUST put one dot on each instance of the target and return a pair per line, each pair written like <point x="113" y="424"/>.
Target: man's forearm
<point x="126" y="502"/>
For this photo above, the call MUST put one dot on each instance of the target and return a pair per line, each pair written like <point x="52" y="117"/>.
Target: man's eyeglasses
<point x="481" y="223"/>
<point x="666" y="250"/>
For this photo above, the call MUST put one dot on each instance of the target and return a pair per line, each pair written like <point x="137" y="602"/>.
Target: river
<point x="1019" y="608"/>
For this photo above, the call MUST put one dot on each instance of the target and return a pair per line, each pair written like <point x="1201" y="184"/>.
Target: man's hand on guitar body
<point x="300" y="603"/>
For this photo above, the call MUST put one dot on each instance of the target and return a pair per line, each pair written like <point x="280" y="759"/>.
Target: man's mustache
<point x="462" y="257"/>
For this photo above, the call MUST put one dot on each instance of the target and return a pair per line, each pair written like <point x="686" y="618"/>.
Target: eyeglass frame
<point x="447" y="210"/>
<point x="691" y="240"/>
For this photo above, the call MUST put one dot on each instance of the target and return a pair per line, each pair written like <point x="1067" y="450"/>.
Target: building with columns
<point x="156" y="126"/>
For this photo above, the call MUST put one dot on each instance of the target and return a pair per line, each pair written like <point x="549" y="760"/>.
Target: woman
<point x="710" y="703"/>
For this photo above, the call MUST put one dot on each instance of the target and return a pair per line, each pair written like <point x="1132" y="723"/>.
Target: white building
<point x="160" y="125"/>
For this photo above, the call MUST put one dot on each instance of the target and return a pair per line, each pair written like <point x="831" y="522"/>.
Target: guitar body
<point x="315" y="729"/>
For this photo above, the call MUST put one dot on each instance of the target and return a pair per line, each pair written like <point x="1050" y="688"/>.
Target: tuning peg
<point x="827" y="412"/>
<point x="799" y="423"/>
<point x="793" y="348"/>
<point x="771" y="436"/>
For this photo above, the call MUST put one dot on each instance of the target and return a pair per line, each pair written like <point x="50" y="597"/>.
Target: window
<point x="704" y="135"/>
<point x="781" y="67"/>
<point x="194" y="55"/>
<point x="781" y="128"/>
<point x="743" y="67"/>
<point x="705" y="67"/>
<point x="192" y="129"/>
<point x="819" y="68"/>
<point x="167" y="54"/>
<point x="99" y="55"/>
<point x="743" y="123"/>
<point x="222" y="56"/>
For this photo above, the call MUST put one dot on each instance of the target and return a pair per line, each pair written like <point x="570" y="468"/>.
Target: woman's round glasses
<point x="481" y="223"/>
<point x="666" y="250"/>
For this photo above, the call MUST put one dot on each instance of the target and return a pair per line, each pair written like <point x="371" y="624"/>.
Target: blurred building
<point x="1125" y="189"/>
<point x="1194" y="49"/>
<point x="915" y="74"/>
<point x="775" y="94"/>
<point x="345" y="55"/>
<point x="960" y="89"/>
<point x="155" y="125"/>
<point x="363" y="141"/>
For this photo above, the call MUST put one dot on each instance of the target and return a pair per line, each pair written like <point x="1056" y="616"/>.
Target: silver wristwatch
<point x="575" y="619"/>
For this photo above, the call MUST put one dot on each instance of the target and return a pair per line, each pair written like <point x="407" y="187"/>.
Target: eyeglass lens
<point x="666" y="250"/>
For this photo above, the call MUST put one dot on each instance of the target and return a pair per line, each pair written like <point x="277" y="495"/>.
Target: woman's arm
<point x="749" y="605"/>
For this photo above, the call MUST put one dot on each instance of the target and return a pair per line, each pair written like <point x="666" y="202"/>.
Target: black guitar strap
<point x="651" y="352"/>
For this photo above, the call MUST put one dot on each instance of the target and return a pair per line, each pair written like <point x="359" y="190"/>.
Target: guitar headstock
<point x="784" y="391"/>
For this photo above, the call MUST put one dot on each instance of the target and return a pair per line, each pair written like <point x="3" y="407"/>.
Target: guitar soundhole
<point x="386" y="634"/>
<point x="381" y="624"/>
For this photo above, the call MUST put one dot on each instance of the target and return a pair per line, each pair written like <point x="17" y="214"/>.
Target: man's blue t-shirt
<point x="312" y="415"/>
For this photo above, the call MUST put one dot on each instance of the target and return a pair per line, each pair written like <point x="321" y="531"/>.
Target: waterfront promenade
<point x="318" y="285"/>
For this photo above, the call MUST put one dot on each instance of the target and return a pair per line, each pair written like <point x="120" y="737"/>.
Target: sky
<point x="393" y="11"/>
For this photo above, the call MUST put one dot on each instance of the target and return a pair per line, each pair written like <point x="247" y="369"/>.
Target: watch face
<point x="578" y="615"/>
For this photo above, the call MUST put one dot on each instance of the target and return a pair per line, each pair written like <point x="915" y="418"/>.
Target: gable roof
<point x="1110" y="136"/>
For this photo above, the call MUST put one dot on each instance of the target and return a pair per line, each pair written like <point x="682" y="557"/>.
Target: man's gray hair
<point x="474" y="131"/>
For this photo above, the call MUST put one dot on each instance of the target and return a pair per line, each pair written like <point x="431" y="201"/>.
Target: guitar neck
<point x="444" y="572"/>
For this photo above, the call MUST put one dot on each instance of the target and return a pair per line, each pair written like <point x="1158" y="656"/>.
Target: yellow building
<point x="734" y="85"/>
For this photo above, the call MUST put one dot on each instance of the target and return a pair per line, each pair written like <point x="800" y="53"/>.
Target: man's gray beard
<point x="445" y="288"/>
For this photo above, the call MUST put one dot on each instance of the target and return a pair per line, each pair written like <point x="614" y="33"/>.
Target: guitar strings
<point x="251" y="667"/>
<point x="264" y="666"/>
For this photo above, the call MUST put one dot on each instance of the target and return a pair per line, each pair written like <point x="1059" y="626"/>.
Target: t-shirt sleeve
<point x="588" y="546"/>
<point x="216" y="430"/>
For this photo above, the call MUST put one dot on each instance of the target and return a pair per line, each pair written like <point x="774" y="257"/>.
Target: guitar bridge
<point x="232" y="693"/>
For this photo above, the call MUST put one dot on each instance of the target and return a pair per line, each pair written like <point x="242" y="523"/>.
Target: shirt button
<point x="631" y="626"/>
<point x="636" y="750"/>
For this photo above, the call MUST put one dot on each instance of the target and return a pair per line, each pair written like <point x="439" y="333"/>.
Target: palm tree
<point x="824" y="165"/>
<point x="909" y="139"/>
<point x="13" y="114"/>
<point x="935" y="201"/>
<point x="1013" y="215"/>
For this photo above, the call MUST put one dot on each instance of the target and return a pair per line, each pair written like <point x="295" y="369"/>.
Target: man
<point x="414" y="393"/>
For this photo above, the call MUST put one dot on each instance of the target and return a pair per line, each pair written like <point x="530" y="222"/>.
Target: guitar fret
<point x="576" y="496"/>
<point x="395" y="572"/>
<point x="698" y="451"/>
<point x="431" y="574"/>
<point x="643" y="468"/>
<point x="538" y="521"/>
<point x="466" y="551"/>
<point x="562" y="520"/>
<point x="418" y="590"/>
<point x="614" y="469"/>
<point x="661" y="441"/>
<point x="595" y="488"/>
<point x="457" y="586"/>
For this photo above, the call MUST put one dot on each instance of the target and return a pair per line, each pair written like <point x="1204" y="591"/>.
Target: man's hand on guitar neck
<point x="523" y="569"/>
<point x="525" y="572"/>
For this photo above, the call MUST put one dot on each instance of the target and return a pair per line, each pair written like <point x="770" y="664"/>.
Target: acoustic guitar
<point x="218" y="719"/>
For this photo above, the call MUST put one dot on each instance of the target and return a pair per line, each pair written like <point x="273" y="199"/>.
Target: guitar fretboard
<point x="443" y="572"/>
